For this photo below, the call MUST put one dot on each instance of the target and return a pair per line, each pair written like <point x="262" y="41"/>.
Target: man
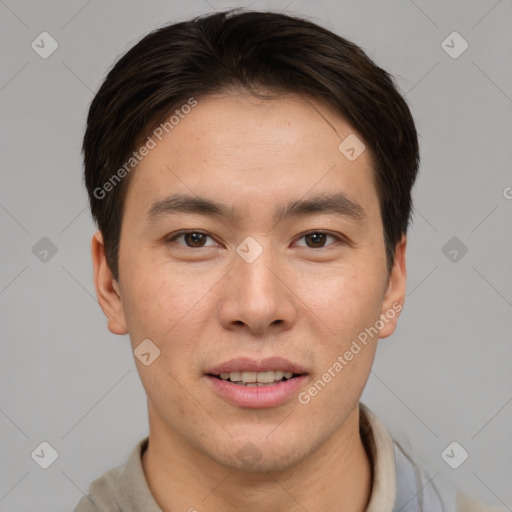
<point x="250" y="174"/>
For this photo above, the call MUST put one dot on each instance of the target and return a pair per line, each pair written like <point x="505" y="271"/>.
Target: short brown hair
<point x="251" y="50"/>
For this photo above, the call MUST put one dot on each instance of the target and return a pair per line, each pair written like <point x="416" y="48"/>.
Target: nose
<point x="257" y="296"/>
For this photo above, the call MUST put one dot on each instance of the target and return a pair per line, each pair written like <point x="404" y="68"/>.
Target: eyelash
<point x="177" y="235"/>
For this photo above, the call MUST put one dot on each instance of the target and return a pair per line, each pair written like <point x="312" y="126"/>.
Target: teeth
<point x="249" y="376"/>
<point x="266" y="377"/>
<point x="278" y="374"/>
<point x="256" y="377"/>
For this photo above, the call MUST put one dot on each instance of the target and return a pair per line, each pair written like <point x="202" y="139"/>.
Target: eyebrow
<point x="338" y="204"/>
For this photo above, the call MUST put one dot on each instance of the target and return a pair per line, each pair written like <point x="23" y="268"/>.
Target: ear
<point x="107" y="288"/>
<point x="394" y="297"/>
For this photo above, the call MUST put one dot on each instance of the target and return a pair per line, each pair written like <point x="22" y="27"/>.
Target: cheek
<point x="347" y="300"/>
<point x="155" y="299"/>
<point x="347" y="351"/>
<point x="140" y="310"/>
<point x="349" y="305"/>
<point x="168" y="311"/>
<point x="173" y="311"/>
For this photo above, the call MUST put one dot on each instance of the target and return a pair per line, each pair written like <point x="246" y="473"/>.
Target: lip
<point x="256" y="397"/>
<point x="251" y="365"/>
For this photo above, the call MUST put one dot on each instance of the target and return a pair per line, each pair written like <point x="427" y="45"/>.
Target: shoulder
<point x="121" y="489"/>
<point x="401" y="484"/>
<point x="418" y="490"/>
<point x="102" y="492"/>
<point x="415" y="488"/>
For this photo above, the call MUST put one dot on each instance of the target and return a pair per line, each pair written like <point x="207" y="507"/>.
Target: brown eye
<point x="317" y="239"/>
<point x="192" y="239"/>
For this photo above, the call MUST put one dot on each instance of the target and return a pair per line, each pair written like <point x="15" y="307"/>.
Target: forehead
<point x="241" y="124"/>
<point x="240" y="149"/>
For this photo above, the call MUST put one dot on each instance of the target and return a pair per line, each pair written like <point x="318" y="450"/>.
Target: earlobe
<point x="107" y="289"/>
<point x="394" y="297"/>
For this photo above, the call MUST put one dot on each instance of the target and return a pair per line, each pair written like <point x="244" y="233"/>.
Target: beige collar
<point x="380" y="448"/>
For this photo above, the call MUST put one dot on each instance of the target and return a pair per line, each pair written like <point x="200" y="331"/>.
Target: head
<point x="250" y="175"/>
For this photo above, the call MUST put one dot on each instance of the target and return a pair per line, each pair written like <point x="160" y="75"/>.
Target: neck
<point x="336" y="476"/>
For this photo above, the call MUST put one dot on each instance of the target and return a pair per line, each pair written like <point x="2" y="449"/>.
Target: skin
<point x="203" y="305"/>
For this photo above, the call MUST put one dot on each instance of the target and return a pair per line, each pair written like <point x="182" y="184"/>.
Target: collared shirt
<point x="398" y="484"/>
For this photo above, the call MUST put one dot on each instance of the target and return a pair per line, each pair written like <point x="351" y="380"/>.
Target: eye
<point x="193" y="239"/>
<point x="317" y="239"/>
<point x="197" y="239"/>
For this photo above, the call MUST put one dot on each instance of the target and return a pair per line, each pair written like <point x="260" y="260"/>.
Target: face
<point x="283" y="258"/>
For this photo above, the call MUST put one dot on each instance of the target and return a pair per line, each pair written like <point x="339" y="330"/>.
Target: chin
<point x="247" y="454"/>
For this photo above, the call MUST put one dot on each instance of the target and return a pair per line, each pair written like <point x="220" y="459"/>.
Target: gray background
<point x="443" y="376"/>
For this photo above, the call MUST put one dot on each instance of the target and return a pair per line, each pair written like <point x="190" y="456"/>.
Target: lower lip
<point x="257" y="396"/>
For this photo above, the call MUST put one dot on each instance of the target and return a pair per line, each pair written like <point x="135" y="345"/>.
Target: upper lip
<point x="252" y="365"/>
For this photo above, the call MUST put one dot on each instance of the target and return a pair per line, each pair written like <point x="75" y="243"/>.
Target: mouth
<point x="256" y="379"/>
<point x="251" y="383"/>
<point x="257" y="395"/>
